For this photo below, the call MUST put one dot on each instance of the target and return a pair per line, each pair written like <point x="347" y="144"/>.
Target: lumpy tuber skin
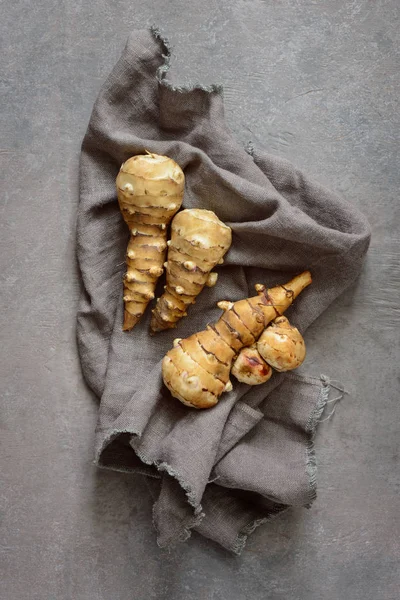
<point x="250" y="368"/>
<point x="197" y="369"/>
<point x="281" y="345"/>
<point x="150" y="191"/>
<point x="198" y="243"/>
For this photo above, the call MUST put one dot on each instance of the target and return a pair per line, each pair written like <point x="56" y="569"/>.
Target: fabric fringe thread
<point x="198" y="513"/>
<point x="311" y="465"/>
<point x="250" y="148"/>
<point x="311" y="427"/>
<point x="248" y="529"/>
<point x="315" y="419"/>
<point x="333" y="383"/>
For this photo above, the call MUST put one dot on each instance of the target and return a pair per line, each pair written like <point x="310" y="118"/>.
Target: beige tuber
<point x="250" y="368"/>
<point x="282" y="346"/>
<point x="197" y="369"/>
<point x="198" y="243"/>
<point x="150" y="191"/>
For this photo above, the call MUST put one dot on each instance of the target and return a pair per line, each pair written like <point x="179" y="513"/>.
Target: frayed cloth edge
<point x="248" y="529"/>
<point x="311" y="428"/>
<point x="188" y="524"/>
<point x="162" y="71"/>
<point x="311" y="468"/>
<point x="161" y="466"/>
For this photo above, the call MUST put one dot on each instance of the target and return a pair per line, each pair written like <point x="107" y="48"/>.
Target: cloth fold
<point x="225" y="470"/>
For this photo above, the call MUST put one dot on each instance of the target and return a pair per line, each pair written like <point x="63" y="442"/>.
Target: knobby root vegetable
<point x="196" y="370"/>
<point x="150" y="192"/>
<point x="282" y="346"/>
<point x="198" y="243"/>
<point x="250" y="368"/>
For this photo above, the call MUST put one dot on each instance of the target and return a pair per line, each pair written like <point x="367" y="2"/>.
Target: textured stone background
<point x="313" y="81"/>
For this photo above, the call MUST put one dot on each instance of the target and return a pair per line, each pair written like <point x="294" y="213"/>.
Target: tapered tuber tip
<point x="129" y="321"/>
<point x="298" y="283"/>
<point x="153" y="329"/>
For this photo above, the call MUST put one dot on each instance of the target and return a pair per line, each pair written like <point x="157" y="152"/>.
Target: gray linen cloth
<point x="225" y="470"/>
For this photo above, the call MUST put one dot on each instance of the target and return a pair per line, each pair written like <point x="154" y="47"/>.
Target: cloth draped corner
<point x="225" y="470"/>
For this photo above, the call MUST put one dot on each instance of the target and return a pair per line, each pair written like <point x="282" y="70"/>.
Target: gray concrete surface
<point x="313" y="81"/>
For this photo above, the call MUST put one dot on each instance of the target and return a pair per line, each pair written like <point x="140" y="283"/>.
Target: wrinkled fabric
<point x="225" y="470"/>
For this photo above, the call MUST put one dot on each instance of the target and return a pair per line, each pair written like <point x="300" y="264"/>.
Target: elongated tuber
<point x="196" y="370"/>
<point x="150" y="192"/>
<point x="282" y="346"/>
<point x="198" y="243"/>
<point x="250" y="368"/>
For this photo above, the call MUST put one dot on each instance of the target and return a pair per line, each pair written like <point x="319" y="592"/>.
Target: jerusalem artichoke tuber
<point x="250" y="368"/>
<point x="150" y="192"/>
<point x="197" y="369"/>
<point x="282" y="346"/>
<point x="198" y="242"/>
